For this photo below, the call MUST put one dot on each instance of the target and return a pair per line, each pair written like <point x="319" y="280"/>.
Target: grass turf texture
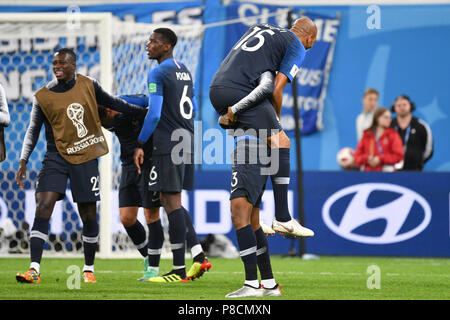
<point x="326" y="278"/>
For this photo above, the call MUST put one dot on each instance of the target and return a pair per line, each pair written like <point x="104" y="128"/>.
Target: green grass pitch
<point x="326" y="278"/>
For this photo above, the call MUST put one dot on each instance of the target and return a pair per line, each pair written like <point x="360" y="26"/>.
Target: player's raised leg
<point x="134" y="229"/>
<point x="283" y="222"/>
<point x="136" y="232"/>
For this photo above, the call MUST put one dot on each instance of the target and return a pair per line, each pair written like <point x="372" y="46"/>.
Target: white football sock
<point x="36" y="266"/>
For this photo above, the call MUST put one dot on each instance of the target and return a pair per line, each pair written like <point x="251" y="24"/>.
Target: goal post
<point x="107" y="49"/>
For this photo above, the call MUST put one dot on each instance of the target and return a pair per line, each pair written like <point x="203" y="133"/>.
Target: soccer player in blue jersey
<point x="247" y="92"/>
<point x="133" y="189"/>
<point x="171" y="112"/>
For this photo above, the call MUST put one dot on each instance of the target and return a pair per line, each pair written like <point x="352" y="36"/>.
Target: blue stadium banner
<point x="312" y="77"/>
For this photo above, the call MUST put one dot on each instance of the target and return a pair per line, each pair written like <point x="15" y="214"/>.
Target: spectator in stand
<point x="381" y="146"/>
<point x="364" y="119"/>
<point x="415" y="134"/>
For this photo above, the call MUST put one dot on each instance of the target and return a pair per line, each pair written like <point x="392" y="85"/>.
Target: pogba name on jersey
<point x="184" y="76"/>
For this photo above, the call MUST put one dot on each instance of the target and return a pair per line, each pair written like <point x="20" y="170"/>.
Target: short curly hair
<point x="168" y="35"/>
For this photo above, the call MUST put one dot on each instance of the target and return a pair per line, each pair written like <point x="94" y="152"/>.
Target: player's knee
<point x="239" y="213"/>
<point x="128" y="220"/>
<point x="151" y="215"/>
<point x="238" y="221"/>
<point x="88" y="211"/>
<point x="44" y="209"/>
<point x="170" y="201"/>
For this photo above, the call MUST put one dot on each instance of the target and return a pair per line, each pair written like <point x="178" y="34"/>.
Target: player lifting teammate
<point x="67" y="106"/>
<point x="171" y="110"/>
<point x="247" y="92"/>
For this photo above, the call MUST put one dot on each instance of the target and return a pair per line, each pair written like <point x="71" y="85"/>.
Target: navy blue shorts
<point x="133" y="189"/>
<point x="84" y="178"/>
<point x="248" y="178"/>
<point x="165" y="176"/>
<point x="260" y="117"/>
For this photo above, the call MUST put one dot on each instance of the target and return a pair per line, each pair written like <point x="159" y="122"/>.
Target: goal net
<point x="111" y="51"/>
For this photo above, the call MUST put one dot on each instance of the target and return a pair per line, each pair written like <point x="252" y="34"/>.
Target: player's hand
<point x="21" y="173"/>
<point x="228" y="120"/>
<point x="138" y="158"/>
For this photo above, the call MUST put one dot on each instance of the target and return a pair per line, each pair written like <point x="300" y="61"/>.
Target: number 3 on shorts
<point x="234" y="179"/>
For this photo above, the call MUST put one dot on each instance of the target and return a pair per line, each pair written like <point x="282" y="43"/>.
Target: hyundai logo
<point x="394" y="212"/>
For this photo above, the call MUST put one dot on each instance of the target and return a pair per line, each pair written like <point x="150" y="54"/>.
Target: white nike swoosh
<point x="233" y="190"/>
<point x="151" y="183"/>
<point x="97" y="193"/>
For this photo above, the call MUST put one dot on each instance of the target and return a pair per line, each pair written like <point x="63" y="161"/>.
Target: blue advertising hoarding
<point x="394" y="214"/>
<point x="351" y="213"/>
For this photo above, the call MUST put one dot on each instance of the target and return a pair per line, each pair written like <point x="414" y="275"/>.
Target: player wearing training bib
<point x="169" y="119"/>
<point x="68" y="108"/>
<point x="247" y="92"/>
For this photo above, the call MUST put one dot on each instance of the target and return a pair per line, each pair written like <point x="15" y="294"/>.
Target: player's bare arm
<point x="277" y="96"/>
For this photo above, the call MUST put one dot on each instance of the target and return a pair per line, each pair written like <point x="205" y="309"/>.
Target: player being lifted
<point x="171" y="111"/>
<point x="247" y="92"/>
<point x="68" y="108"/>
<point x="134" y="193"/>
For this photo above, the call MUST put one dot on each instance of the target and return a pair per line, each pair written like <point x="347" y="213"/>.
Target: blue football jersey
<point x="262" y="48"/>
<point x="173" y="81"/>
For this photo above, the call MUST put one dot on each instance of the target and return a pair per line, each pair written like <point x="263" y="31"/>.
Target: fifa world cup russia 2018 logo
<point x="75" y="112"/>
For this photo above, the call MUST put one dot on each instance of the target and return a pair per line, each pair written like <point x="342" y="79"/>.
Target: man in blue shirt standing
<point x="247" y="92"/>
<point x="171" y="112"/>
